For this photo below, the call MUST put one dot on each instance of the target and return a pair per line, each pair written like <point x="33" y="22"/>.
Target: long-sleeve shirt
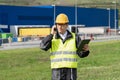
<point x="46" y="43"/>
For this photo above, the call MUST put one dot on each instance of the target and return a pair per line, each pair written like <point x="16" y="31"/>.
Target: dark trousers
<point x="64" y="74"/>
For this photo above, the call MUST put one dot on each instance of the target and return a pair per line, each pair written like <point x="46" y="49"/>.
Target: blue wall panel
<point x="44" y="15"/>
<point x="69" y="11"/>
<point x="90" y="17"/>
<point x="18" y="15"/>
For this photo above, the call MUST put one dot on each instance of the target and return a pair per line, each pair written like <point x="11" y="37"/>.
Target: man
<point x="63" y="46"/>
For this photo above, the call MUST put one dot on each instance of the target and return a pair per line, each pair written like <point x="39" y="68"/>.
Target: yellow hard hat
<point x="62" y="19"/>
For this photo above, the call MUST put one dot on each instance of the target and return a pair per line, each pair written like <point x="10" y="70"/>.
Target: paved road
<point x="16" y="45"/>
<point x="31" y="44"/>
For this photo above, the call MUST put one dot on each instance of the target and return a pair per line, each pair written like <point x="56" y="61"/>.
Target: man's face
<point x="62" y="28"/>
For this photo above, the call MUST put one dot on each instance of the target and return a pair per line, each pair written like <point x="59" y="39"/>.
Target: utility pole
<point x="109" y="26"/>
<point x="54" y="6"/>
<point x="76" y="16"/>
<point x="115" y="20"/>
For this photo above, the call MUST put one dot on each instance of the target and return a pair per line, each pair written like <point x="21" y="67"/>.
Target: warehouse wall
<point x="21" y="15"/>
<point x="90" y="17"/>
<point x="44" y="15"/>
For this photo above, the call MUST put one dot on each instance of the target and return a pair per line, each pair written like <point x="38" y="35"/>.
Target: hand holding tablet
<point x="83" y="45"/>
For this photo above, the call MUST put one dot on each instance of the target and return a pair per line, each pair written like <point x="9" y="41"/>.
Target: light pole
<point x="109" y="17"/>
<point x="76" y="16"/>
<point x="54" y="12"/>
<point x="115" y="20"/>
<point x="54" y="9"/>
<point x="109" y="26"/>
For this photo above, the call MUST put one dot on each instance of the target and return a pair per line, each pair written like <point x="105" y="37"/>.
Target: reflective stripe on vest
<point x="64" y="52"/>
<point x="63" y="55"/>
<point x="64" y="59"/>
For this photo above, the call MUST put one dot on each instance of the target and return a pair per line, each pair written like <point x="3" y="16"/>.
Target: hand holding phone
<point x="54" y="29"/>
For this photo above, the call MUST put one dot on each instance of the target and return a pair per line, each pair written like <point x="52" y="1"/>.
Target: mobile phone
<point x="55" y="29"/>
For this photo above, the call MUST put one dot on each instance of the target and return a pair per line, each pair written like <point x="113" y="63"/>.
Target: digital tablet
<point x="83" y="42"/>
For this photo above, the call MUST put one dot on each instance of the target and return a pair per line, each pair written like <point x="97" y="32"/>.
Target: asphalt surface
<point x="31" y="44"/>
<point x="16" y="45"/>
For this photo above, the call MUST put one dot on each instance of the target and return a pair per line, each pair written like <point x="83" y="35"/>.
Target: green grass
<point x="24" y="64"/>
<point x="103" y="63"/>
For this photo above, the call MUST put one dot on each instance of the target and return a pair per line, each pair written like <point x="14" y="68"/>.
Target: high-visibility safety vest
<point x="64" y="55"/>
